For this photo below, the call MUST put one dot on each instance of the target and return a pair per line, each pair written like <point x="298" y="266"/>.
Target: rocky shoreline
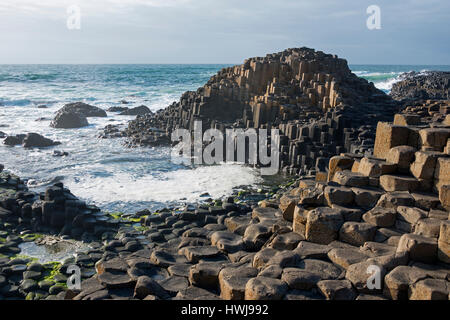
<point x="313" y="239"/>
<point x="372" y="198"/>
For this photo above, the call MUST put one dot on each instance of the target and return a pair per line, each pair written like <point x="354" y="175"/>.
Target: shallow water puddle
<point x="50" y="249"/>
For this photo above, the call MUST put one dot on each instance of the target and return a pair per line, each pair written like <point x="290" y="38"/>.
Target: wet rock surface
<point x="424" y="85"/>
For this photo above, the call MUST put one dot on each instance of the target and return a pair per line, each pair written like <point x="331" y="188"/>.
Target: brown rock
<point x="398" y="281"/>
<point x="442" y="174"/>
<point x="375" y="168"/>
<point x="312" y="250"/>
<point x="256" y="235"/>
<point x="428" y="227"/>
<point x="407" y="218"/>
<point x="300" y="219"/>
<point x="323" y="225"/>
<point x="338" y="163"/>
<point x="344" y="257"/>
<point x="262" y="288"/>
<point x="389" y="136"/>
<point x="286" y="241"/>
<point x="350" y="179"/>
<point x="356" y="233"/>
<point x="444" y="196"/>
<point x="398" y="183"/>
<point x="366" y="197"/>
<point x="424" y="164"/>
<point x="444" y="242"/>
<point x="205" y="275"/>
<point x="402" y="156"/>
<point x="262" y="257"/>
<point x="436" y="138"/>
<point x="233" y="280"/>
<point x="338" y="195"/>
<point x="287" y="206"/>
<point x="429" y="289"/>
<point x="227" y="241"/>
<point x="418" y="247"/>
<point x="337" y="289"/>
<point x="406" y="119"/>
<point x="395" y="199"/>
<point x="380" y="217"/>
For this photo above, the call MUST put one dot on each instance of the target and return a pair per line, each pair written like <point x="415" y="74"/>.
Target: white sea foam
<point x="185" y="184"/>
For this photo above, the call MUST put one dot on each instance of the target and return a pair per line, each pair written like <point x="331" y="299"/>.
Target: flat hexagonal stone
<point x="262" y="257"/>
<point x="266" y="213"/>
<point x="326" y="270"/>
<point x="146" y="286"/>
<point x="166" y="259"/>
<point x="227" y="241"/>
<point x="357" y="233"/>
<point x="286" y="241"/>
<point x="237" y="224"/>
<point x="303" y="295"/>
<point x="397" y="282"/>
<point x="205" y="275"/>
<point x="312" y="250"/>
<point x="272" y="271"/>
<point x="300" y="279"/>
<point x="116" y="280"/>
<point x="113" y="265"/>
<point x="174" y="284"/>
<point x="195" y="254"/>
<point x="180" y="269"/>
<point x="89" y="286"/>
<point x="284" y="259"/>
<point x="233" y="280"/>
<point x="262" y="288"/>
<point x="154" y="272"/>
<point x="256" y="235"/>
<point x="430" y="289"/>
<point x="337" y="289"/>
<point x="344" y="257"/>
<point x="196" y="233"/>
<point x="381" y="217"/>
<point x="195" y="293"/>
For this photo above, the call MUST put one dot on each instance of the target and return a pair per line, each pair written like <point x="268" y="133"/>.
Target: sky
<point x="221" y="31"/>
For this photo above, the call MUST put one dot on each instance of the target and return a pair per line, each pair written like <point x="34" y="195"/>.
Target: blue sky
<point x="222" y="31"/>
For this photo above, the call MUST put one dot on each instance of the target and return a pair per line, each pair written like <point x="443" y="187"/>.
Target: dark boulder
<point x="68" y="120"/>
<point x="14" y="140"/>
<point x="136" y="111"/>
<point x="34" y="140"/>
<point x="118" y="109"/>
<point x="83" y="109"/>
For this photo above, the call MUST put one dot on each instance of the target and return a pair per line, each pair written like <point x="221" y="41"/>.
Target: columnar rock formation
<point x="55" y="210"/>
<point x="321" y="238"/>
<point x="386" y="216"/>
<point x="425" y="85"/>
<point x="320" y="107"/>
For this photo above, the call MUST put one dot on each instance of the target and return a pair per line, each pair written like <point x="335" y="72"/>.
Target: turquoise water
<point x="103" y="171"/>
<point x="384" y="76"/>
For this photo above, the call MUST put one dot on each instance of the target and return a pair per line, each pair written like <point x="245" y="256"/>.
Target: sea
<point x="105" y="172"/>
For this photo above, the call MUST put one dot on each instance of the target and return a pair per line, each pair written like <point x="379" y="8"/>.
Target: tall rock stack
<point x="319" y="105"/>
